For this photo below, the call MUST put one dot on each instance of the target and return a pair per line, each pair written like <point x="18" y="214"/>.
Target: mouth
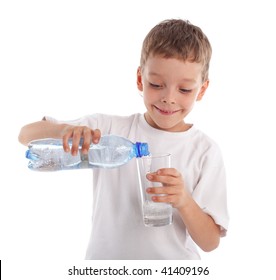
<point x="166" y="111"/>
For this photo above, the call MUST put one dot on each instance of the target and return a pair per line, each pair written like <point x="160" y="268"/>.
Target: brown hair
<point x="179" y="39"/>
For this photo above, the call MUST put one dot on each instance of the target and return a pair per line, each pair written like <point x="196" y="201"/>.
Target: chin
<point x="165" y="123"/>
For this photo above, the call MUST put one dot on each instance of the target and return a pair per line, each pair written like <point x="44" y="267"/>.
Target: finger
<point x="96" y="135"/>
<point x="65" y="143"/>
<point x="170" y="199"/>
<point x="168" y="171"/>
<point x="164" y="179"/>
<point x="77" y="134"/>
<point x="164" y="199"/>
<point x="87" y="138"/>
<point x="163" y="190"/>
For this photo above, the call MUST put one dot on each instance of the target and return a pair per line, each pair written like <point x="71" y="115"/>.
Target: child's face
<point x="170" y="89"/>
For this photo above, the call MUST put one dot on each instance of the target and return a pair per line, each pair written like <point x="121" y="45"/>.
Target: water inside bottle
<point x="52" y="158"/>
<point x="108" y="156"/>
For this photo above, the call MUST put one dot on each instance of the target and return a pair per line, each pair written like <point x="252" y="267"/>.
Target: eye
<point x="155" y="85"/>
<point x="183" y="90"/>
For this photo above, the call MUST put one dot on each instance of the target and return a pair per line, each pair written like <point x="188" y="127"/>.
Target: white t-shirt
<point x="118" y="231"/>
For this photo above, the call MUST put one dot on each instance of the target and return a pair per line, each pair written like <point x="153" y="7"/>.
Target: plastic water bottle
<point x="111" y="151"/>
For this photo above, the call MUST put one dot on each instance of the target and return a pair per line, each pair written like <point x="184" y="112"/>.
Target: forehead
<point x="172" y="68"/>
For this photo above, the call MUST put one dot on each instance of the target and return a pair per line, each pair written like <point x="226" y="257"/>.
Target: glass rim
<point x="157" y="155"/>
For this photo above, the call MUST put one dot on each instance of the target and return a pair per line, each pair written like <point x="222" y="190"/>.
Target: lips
<point x="166" y="111"/>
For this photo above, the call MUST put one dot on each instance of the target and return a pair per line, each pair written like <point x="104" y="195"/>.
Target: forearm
<point x="200" y="226"/>
<point x="40" y="129"/>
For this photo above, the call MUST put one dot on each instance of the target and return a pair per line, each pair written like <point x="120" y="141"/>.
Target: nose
<point x="168" y="97"/>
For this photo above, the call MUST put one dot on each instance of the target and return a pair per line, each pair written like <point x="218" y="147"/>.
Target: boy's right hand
<point x="76" y="133"/>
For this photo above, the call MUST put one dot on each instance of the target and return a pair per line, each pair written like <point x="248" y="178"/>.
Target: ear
<point x="202" y="90"/>
<point x="139" y="79"/>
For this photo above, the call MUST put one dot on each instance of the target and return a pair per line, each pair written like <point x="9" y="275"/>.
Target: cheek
<point x="150" y="97"/>
<point x="187" y="103"/>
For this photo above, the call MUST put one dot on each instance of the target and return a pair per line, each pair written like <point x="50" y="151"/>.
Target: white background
<point x="70" y="58"/>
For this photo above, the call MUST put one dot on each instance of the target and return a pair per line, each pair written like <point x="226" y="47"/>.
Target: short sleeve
<point x="87" y="120"/>
<point x="210" y="192"/>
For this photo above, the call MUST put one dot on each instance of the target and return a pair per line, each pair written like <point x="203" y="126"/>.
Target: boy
<point x="173" y="75"/>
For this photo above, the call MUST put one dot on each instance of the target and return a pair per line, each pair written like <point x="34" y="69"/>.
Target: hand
<point x="76" y="133"/>
<point x="173" y="189"/>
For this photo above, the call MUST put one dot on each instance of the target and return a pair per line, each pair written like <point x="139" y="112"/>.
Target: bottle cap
<point x="141" y="149"/>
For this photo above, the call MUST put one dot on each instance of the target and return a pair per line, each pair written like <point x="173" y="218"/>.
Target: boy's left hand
<point x="173" y="190"/>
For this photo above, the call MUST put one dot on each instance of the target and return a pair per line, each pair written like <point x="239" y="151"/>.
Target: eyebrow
<point x="184" y="79"/>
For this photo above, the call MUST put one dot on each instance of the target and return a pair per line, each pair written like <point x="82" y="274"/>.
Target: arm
<point x="46" y="129"/>
<point x="200" y="225"/>
<point x="39" y="130"/>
